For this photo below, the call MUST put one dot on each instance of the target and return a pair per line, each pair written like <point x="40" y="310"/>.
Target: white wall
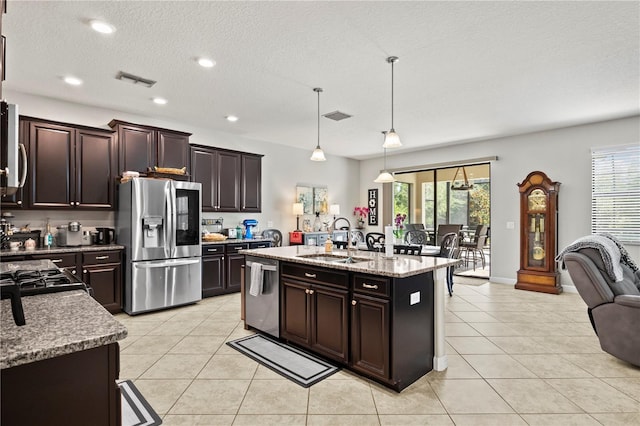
<point x="282" y="167"/>
<point x="563" y="154"/>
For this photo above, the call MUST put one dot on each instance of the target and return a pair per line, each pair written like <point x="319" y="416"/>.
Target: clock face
<point x="537" y="200"/>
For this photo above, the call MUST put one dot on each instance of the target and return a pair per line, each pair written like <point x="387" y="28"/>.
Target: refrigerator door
<point x="149" y="222"/>
<point x="185" y="224"/>
<point x="161" y="284"/>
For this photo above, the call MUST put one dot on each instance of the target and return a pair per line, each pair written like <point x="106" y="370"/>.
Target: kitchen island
<point x="381" y="317"/>
<point x="61" y="367"/>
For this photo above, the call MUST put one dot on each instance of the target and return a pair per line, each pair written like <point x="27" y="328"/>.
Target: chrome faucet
<point x="349" y="248"/>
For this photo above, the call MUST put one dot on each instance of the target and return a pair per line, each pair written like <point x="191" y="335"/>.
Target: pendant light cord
<point x="318" y="118"/>
<point x="392" y="95"/>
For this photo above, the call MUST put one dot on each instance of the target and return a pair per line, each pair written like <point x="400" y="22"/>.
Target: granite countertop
<point x="398" y="266"/>
<point x="57" y="250"/>
<point x="56" y="324"/>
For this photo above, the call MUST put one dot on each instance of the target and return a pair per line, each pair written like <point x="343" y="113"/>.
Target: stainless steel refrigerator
<point x="159" y="223"/>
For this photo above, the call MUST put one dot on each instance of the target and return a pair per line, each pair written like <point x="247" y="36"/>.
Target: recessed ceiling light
<point x="102" y="27"/>
<point x="73" y="81"/>
<point x="160" y="101"/>
<point x="206" y="62"/>
<point x="231" y="118"/>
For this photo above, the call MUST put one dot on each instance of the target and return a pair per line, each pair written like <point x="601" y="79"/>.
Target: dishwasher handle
<point x="271" y="268"/>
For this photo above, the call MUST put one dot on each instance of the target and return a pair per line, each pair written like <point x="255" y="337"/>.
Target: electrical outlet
<point x="511" y="225"/>
<point x="269" y="224"/>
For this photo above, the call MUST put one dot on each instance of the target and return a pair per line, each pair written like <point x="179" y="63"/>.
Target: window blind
<point x="615" y="192"/>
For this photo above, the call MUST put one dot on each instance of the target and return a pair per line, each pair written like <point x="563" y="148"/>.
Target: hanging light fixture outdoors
<point x="391" y="139"/>
<point x="461" y="185"/>
<point x="384" y="176"/>
<point x="318" y="154"/>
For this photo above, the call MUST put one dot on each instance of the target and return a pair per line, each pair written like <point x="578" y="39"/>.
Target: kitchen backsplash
<point x="37" y="219"/>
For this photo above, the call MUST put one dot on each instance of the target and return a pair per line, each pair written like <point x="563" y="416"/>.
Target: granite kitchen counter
<point x="58" y="250"/>
<point x="56" y="324"/>
<point x="369" y="262"/>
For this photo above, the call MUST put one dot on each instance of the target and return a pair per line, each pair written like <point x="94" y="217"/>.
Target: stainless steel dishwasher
<point x="262" y="312"/>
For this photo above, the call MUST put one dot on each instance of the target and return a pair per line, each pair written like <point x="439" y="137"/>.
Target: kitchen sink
<point x="334" y="258"/>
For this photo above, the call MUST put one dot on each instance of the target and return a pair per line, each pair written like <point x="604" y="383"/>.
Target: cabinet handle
<point x="74" y="272"/>
<point x="19" y="203"/>
<point x="306" y="290"/>
<point x="84" y="271"/>
<point x="354" y="303"/>
<point x="101" y="257"/>
<point x="71" y="203"/>
<point x="56" y="260"/>
<point x="311" y="291"/>
<point x="308" y="275"/>
<point x="373" y="286"/>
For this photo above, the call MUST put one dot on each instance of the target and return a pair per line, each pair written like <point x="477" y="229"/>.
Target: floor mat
<point x="136" y="411"/>
<point x="296" y="365"/>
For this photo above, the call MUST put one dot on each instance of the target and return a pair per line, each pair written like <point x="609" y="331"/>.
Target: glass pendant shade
<point x="384" y="177"/>
<point x="392" y="140"/>
<point x="318" y="154"/>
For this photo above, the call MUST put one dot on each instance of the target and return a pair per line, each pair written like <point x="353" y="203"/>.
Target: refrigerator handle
<point x="170" y="244"/>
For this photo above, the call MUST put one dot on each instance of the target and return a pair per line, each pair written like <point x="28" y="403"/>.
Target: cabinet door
<point x="51" y="161"/>
<point x="106" y="282"/>
<point x="370" y="335"/>
<point x="95" y="169"/>
<point x="173" y="150"/>
<point x="202" y="171"/>
<point x="228" y="182"/>
<point x="136" y="148"/>
<point x="330" y="322"/>
<point x="251" y="183"/>
<point x="235" y="262"/>
<point x="212" y="275"/>
<point x="295" y="311"/>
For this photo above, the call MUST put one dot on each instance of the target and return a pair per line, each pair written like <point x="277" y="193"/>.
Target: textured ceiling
<point x="467" y="70"/>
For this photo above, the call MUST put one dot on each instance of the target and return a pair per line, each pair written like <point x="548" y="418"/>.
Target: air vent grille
<point x="134" y="79"/>
<point x="336" y="115"/>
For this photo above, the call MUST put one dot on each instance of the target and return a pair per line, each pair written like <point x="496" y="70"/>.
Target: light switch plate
<point x="415" y="298"/>
<point x="511" y="225"/>
<point x="269" y="224"/>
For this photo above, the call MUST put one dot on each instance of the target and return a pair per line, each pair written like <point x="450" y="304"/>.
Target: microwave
<point x="12" y="151"/>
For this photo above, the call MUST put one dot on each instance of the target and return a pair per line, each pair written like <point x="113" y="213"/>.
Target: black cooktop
<point x="32" y="282"/>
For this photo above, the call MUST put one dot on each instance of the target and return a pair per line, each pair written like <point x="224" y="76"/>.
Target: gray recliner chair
<point x="613" y="307"/>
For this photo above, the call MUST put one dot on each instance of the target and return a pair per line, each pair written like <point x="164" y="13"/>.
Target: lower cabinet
<point x="102" y="271"/>
<point x="314" y="310"/>
<point x="234" y="263"/>
<point x="370" y="335"/>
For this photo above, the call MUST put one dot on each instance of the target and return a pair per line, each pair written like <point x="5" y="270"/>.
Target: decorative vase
<point x="360" y="224"/>
<point x="317" y="223"/>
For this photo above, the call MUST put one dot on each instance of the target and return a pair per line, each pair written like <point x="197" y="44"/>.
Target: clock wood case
<point x="538" y="234"/>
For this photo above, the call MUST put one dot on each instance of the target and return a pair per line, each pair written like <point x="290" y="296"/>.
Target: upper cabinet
<point x="231" y="180"/>
<point x="69" y="166"/>
<point x="141" y="147"/>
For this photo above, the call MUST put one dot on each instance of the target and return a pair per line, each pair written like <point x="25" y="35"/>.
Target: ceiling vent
<point x="336" y="115"/>
<point x="134" y="79"/>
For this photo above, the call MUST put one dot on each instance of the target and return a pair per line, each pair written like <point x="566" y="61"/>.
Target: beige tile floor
<point x="515" y="358"/>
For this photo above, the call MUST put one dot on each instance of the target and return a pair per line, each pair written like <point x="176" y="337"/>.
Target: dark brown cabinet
<point x="18" y="200"/>
<point x="314" y="310"/>
<point x="213" y="270"/>
<point x="102" y="271"/>
<point x="141" y="147"/>
<point x="69" y="166"/>
<point x="231" y="180"/>
<point x="233" y="266"/>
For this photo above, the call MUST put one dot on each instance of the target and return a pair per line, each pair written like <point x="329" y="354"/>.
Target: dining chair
<point x="414" y="227"/>
<point x="450" y="249"/>
<point x="407" y="249"/>
<point x="474" y="250"/>
<point x="375" y="241"/>
<point x="275" y="236"/>
<point x="445" y="229"/>
<point x="416" y="237"/>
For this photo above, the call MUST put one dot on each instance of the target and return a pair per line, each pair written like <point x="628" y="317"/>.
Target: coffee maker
<point x="70" y="235"/>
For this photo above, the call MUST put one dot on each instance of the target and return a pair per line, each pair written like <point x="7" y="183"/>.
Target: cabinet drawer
<point x="236" y="247"/>
<point x="316" y="275"/>
<point x="98" y="257"/>
<point x="61" y="260"/>
<point x="371" y="285"/>
<point x="261" y="244"/>
<point x="212" y="249"/>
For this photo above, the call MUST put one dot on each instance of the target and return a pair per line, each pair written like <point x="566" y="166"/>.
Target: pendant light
<point x="318" y="154"/>
<point x="461" y="186"/>
<point x="384" y="176"/>
<point x="391" y="139"/>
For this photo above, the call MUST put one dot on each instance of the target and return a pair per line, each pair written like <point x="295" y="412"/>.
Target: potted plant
<point x="361" y="214"/>
<point x="398" y="230"/>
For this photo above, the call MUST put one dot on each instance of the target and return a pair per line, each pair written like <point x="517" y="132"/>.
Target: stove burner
<point x="33" y="282"/>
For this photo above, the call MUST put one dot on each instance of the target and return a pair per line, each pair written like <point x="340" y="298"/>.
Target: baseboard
<point x="502" y="280"/>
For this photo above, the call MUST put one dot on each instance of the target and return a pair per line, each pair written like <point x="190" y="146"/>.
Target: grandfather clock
<point x="538" y="234"/>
